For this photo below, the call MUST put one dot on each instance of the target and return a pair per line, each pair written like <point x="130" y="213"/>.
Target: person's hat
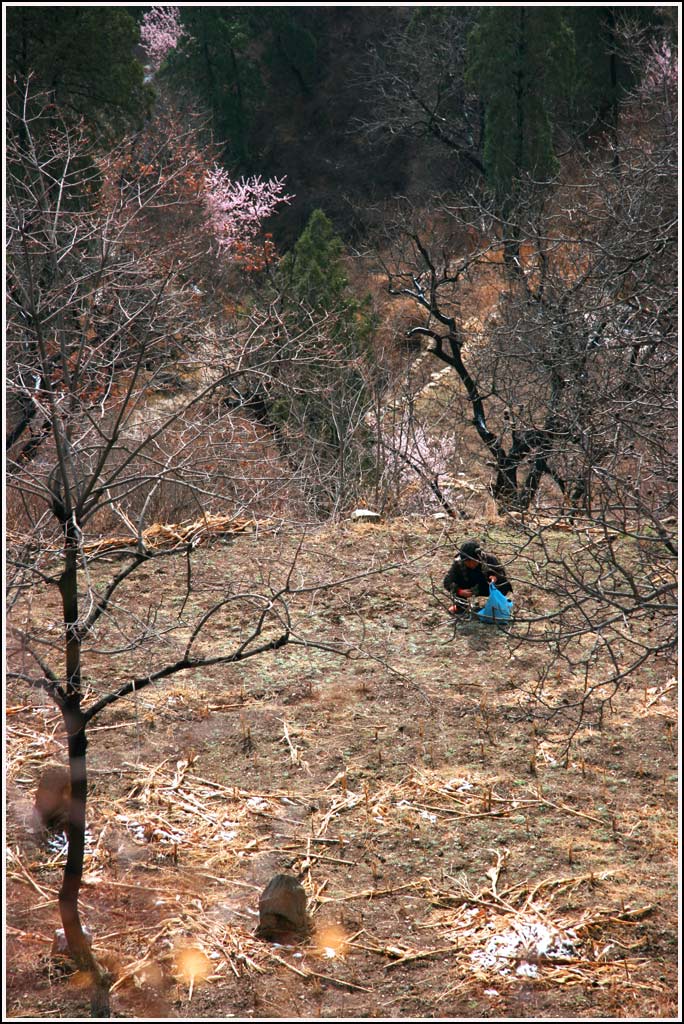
<point x="470" y="549"/>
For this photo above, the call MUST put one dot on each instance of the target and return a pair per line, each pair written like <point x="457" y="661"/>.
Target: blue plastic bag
<point x="498" y="607"/>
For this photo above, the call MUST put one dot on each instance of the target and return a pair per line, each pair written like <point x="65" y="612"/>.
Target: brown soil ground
<point x="457" y="864"/>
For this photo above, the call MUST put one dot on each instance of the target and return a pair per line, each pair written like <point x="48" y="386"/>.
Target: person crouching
<point x="470" y="575"/>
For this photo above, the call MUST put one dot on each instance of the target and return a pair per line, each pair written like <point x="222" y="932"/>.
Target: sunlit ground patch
<point x="192" y="965"/>
<point x="331" y="942"/>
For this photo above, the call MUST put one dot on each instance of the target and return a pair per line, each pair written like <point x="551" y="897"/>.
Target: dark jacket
<point x="460" y="577"/>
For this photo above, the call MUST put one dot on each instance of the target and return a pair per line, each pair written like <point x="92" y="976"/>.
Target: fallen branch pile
<point x="174" y="535"/>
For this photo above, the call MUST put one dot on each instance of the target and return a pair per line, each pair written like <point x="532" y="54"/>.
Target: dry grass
<point x="454" y="865"/>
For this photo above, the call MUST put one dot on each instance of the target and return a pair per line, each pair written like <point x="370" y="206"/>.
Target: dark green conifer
<point x="84" y="58"/>
<point x="513" y="55"/>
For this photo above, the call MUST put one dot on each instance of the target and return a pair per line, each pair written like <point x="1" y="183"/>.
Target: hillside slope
<point x="457" y="862"/>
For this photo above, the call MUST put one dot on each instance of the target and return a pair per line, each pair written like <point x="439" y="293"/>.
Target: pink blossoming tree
<point x="661" y="70"/>
<point x="160" y="33"/>
<point x="236" y="209"/>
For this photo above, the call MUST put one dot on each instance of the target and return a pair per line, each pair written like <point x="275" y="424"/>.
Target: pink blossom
<point x="237" y="209"/>
<point x="419" y="463"/>
<point x="661" y="68"/>
<point x="160" y="33"/>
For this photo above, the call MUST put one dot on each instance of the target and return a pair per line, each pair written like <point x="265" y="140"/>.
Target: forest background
<point x="267" y="267"/>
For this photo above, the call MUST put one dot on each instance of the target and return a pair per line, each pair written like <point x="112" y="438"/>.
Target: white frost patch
<point x="526" y="941"/>
<point x="527" y="970"/>
<point x="58" y="843"/>
<point x="460" y="785"/>
<point x="425" y="815"/>
<point x="256" y="803"/>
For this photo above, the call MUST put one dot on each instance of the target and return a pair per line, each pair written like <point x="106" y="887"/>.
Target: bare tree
<point x="615" y="583"/>
<point x="313" y="389"/>
<point x="116" y="386"/>
<point x="567" y="358"/>
<point x="414" y="82"/>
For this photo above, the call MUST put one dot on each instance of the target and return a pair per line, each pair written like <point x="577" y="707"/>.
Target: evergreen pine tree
<point x="84" y="58"/>
<point x="514" y="57"/>
<point x="313" y="272"/>
<point x="216" y="61"/>
<point x="331" y="371"/>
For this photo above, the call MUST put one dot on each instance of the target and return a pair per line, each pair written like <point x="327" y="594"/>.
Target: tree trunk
<point x="77" y="941"/>
<point x="75" y="725"/>
<point x="506" y="489"/>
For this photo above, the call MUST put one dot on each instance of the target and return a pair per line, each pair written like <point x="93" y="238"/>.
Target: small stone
<point x="365" y="515"/>
<point x="59" y="943"/>
<point x="53" y="796"/>
<point x="282" y="909"/>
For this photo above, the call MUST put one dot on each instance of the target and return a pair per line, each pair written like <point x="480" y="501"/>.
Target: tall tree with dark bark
<point x="571" y="376"/>
<point x="101" y="305"/>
